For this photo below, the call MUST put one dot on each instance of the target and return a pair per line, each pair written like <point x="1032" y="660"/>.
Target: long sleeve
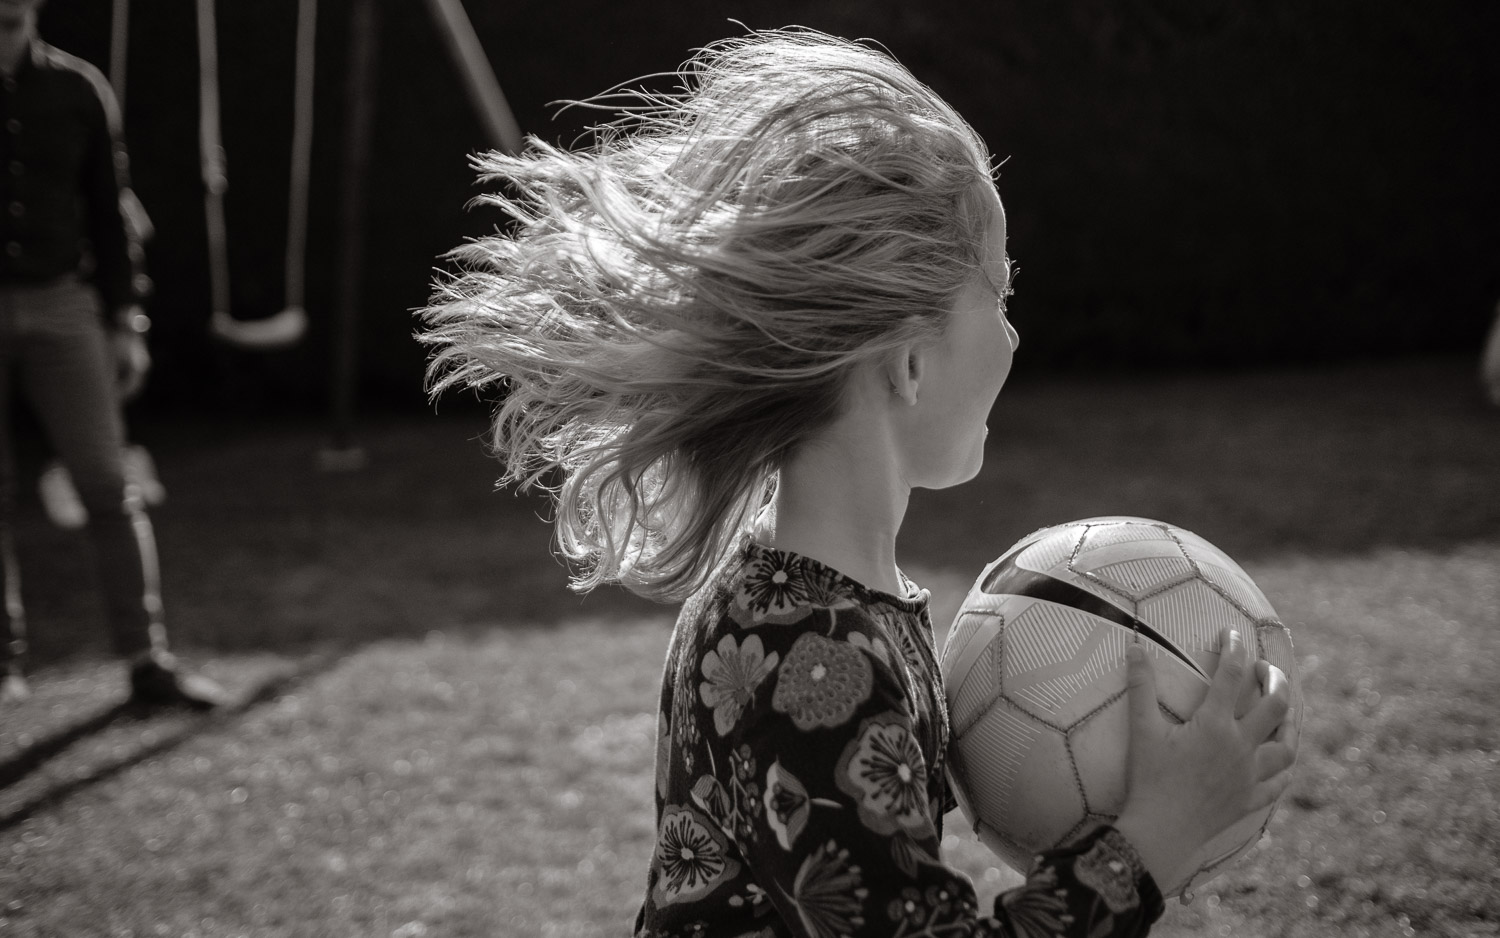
<point x="105" y="175"/>
<point x="803" y="788"/>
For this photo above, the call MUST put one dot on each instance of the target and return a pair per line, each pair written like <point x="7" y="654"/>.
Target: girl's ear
<point x="903" y="368"/>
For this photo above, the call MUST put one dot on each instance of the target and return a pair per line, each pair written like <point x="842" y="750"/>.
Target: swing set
<point x="287" y="327"/>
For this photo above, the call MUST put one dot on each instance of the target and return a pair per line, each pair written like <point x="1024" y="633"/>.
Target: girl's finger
<point x="1230" y="673"/>
<point x="1140" y="688"/>
<point x="1269" y="713"/>
<point x="1266" y="792"/>
<point x="1273" y="758"/>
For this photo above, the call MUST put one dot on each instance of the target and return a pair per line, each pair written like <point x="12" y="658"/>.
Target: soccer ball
<point x="1034" y="668"/>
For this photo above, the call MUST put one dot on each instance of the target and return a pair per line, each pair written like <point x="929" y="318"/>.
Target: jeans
<point x="54" y="347"/>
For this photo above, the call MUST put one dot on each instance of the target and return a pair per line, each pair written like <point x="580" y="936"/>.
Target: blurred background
<point x="1189" y="184"/>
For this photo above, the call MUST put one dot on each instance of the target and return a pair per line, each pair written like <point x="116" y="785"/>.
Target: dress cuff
<point x="1107" y="863"/>
<point x="1124" y="851"/>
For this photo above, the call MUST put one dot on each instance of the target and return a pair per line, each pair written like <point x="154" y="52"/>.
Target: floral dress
<point x="800" y="780"/>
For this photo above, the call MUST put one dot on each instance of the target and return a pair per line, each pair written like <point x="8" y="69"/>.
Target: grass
<point x="437" y="738"/>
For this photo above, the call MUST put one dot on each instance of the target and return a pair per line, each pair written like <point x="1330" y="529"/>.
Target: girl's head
<point x="680" y="306"/>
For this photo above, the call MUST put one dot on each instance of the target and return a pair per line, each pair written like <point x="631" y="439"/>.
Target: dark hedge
<point x="1190" y="183"/>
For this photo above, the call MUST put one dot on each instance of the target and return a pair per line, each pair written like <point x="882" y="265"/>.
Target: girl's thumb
<point x="1140" y="684"/>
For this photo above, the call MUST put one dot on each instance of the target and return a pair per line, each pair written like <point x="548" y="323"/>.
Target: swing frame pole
<point x="479" y="78"/>
<point x="301" y="168"/>
<point x="119" y="46"/>
<point x="342" y="454"/>
<point x="212" y="168"/>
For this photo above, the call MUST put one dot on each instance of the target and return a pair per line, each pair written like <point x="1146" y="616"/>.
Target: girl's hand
<point x="1188" y="782"/>
<point x="132" y="357"/>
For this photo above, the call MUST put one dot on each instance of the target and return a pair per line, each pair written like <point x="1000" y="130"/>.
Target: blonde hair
<point x="679" y="305"/>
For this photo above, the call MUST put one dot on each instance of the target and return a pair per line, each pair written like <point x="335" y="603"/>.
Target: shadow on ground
<point x="274" y="570"/>
<point x="263" y="552"/>
<point x="50" y="752"/>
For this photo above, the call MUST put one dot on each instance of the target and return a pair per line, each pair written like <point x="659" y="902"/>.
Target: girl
<point x="731" y="342"/>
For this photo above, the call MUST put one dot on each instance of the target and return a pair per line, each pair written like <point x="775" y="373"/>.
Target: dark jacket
<point x="62" y="169"/>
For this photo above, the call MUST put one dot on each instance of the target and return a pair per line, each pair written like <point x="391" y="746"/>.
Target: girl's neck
<point x="841" y="504"/>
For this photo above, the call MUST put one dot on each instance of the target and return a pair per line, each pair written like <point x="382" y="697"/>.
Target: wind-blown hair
<point x="679" y="305"/>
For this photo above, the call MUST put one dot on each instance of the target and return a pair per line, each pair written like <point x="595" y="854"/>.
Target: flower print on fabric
<point x="754" y="897"/>
<point x="747" y="800"/>
<point x="734" y="809"/>
<point x="788" y="805"/>
<point x="1041" y="909"/>
<point x="742" y="763"/>
<point x="663" y="752"/>
<point x="733" y="671"/>
<point x="822" y="682"/>
<point x="692" y="856"/>
<point x="772" y="590"/>
<point x="827" y="893"/>
<point x="909" y="649"/>
<point x="874" y="647"/>
<point x="709" y="795"/>
<point x="907" y="909"/>
<point x="685" y="729"/>
<point x="1106" y="869"/>
<point x="928" y="911"/>
<point x="908" y="855"/>
<point x="883" y="770"/>
<point x="825" y="587"/>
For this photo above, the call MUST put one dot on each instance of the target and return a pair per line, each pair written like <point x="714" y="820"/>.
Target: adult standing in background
<point x="73" y="339"/>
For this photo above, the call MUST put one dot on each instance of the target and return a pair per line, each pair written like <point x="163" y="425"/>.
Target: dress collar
<point x="827" y="580"/>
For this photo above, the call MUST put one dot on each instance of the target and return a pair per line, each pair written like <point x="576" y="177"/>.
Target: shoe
<point x="13" y="688"/>
<point x="140" y="471"/>
<point x="60" y="499"/>
<point x="157" y="680"/>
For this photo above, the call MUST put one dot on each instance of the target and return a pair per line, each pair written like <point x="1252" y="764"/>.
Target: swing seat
<point x="273" y="332"/>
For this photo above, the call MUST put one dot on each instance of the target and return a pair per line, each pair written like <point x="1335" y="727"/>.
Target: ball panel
<point x="1191" y="615"/>
<point x="1056" y="662"/>
<point x="960" y="634"/>
<point x="1197" y="547"/>
<point x="1043" y="634"/>
<point x="1140" y="578"/>
<point x="1108" y="532"/>
<point x="1099" y="745"/>
<point x="964" y="643"/>
<point x="1014" y="855"/>
<point x="1239" y="587"/>
<point x="1121" y="599"/>
<point x="1050" y="552"/>
<point x="971" y="694"/>
<point x="1221" y="570"/>
<point x="1274" y="642"/>
<point x="1019" y="762"/>
<point x="995" y="604"/>
<point x="1179" y="690"/>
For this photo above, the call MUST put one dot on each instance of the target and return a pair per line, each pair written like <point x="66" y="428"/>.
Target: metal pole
<point x="119" y="45"/>
<point x="479" y="77"/>
<point x="302" y="140"/>
<point x="359" y="110"/>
